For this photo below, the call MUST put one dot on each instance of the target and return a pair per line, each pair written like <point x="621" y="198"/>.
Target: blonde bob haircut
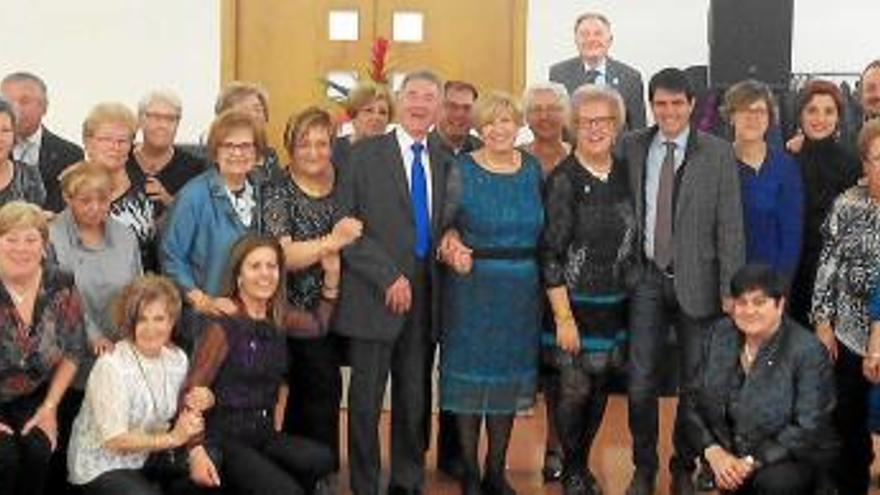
<point x="591" y="93"/>
<point x="365" y="93"/>
<point x="494" y="104"/>
<point x="85" y="176"/>
<point x="23" y="215"/>
<point x="109" y="113"/>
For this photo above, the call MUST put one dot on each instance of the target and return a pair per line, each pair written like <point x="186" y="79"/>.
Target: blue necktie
<point x="419" y="196"/>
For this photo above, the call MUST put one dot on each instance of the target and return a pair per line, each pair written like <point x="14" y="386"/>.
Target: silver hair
<point x="160" y="96"/>
<point x="589" y="93"/>
<point x="558" y="91"/>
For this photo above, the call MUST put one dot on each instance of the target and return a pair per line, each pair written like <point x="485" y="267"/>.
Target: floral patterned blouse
<point x="30" y="353"/>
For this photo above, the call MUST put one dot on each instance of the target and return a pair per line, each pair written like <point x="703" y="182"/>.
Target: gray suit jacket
<point x="625" y="79"/>
<point x="708" y="239"/>
<point x="373" y="187"/>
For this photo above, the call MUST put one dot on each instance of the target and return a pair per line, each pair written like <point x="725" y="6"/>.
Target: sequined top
<point x="30" y="353"/>
<point x="290" y="211"/>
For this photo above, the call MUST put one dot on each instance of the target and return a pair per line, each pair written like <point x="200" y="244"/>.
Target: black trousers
<point x="851" y="471"/>
<point x="57" y="484"/>
<point x="315" y="391"/>
<point x="653" y="309"/>
<point x="24" y="460"/>
<point x="279" y="464"/>
<point x="784" y="478"/>
<point x="405" y="359"/>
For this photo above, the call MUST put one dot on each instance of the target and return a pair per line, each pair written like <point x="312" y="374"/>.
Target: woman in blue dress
<point x="489" y="363"/>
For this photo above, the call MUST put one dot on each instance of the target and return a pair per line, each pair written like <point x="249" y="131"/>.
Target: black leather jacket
<point x="780" y="410"/>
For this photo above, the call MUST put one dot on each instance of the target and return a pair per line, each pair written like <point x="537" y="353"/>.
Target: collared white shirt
<point x="601" y="79"/>
<point x="243" y="203"/>
<point x="27" y="150"/>
<point x="405" y="141"/>
<point x="656" y="153"/>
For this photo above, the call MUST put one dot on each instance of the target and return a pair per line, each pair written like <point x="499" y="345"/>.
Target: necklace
<point x="748" y="358"/>
<point x="153" y="400"/>
<point x="506" y="166"/>
<point x="18" y="296"/>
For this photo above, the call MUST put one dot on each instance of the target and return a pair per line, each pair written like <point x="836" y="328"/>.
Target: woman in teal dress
<point x="491" y="318"/>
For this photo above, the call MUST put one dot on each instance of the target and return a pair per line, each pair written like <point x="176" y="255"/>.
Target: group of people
<point x="550" y="264"/>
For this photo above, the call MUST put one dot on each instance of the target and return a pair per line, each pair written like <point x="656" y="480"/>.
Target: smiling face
<point x="545" y="116"/>
<point x="21" y="252"/>
<point x="870" y="92"/>
<point x="259" y="274"/>
<point x="458" y="114"/>
<point x="418" y="106"/>
<point x="750" y="122"/>
<point x="372" y="118"/>
<point x="152" y="330"/>
<point x="311" y="155"/>
<point x="593" y="39"/>
<point x="672" y="111"/>
<point x="159" y="124"/>
<point x="30" y="102"/>
<point x="109" y="145"/>
<point x="756" y="314"/>
<point x="499" y="134"/>
<point x="596" y="128"/>
<point x="237" y="153"/>
<point x="820" y="117"/>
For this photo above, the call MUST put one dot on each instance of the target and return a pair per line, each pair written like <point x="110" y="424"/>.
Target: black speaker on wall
<point x="750" y="39"/>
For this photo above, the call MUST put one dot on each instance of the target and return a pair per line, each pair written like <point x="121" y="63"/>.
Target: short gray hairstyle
<point x="559" y="92"/>
<point x="589" y="93"/>
<point x="596" y="16"/>
<point x="422" y="75"/>
<point x="23" y="76"/>
<point x="160" y="96"/>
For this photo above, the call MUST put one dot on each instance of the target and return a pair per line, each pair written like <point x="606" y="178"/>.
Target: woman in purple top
<point x="772" y="188"/>
<point x="242" y="357"/>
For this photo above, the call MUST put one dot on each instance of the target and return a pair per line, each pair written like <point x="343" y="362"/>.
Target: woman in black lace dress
<point x="302" y="212"/>
<point x="587" y="249"/>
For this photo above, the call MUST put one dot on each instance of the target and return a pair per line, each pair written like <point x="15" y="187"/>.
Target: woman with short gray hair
<point x="547" y="112"/>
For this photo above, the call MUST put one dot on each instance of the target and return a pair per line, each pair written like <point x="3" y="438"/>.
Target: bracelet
<point x="564" y="318"/>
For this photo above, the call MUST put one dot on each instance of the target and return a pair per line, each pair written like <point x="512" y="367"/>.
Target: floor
<point x="610" y="459"/>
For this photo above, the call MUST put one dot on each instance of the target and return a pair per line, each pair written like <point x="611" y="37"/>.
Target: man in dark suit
<point x="686" y="191"/>
<point x="592" y="32"/>
<point x="389" y="307"/>
<point x="37" y="146"/>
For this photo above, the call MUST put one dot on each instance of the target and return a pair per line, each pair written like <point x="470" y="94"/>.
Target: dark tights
<point x="498" y="428"/>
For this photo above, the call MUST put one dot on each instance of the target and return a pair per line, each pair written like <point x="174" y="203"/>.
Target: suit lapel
<point x="690" y="175"/>
<point x="394" y="159"/>
<point x="439" y="163"/>
<point x="640" y="159"/>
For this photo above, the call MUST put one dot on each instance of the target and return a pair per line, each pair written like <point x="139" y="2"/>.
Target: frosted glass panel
<point x="408" y="27"/>
<point x="343" y="25"/>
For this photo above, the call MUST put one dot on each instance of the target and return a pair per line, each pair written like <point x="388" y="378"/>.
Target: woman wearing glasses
<point x="214" y="210"/>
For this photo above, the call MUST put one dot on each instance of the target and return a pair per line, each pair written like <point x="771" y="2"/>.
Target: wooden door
<point x="285" y="45"/>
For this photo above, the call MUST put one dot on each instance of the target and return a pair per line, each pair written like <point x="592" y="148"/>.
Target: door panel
<point x="284" y="44"/>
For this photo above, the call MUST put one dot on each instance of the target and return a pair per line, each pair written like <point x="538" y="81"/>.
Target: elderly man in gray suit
<point x="395" y="184"/>
<point x="686" y="191"/>
<point x="592" y="32"/>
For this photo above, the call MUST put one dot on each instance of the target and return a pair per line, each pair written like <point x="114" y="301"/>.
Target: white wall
<point x="94" y="50"/>
<point x="99" y="50"/>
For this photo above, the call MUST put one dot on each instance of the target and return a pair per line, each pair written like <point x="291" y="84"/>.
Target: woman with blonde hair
<point x="489" y="354"/>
